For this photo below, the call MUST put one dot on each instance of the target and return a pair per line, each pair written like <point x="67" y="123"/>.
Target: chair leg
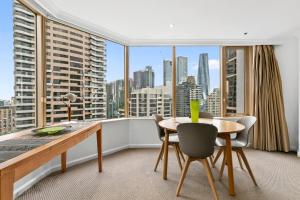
<point x="180" y="153"/>
<point x="211" y="159"/>
<point x="159" y="156"/>
<point x="240" y="161"/>
<point x="241" y="152"/>
<point x="217" y="156"/>
<point x="210" y="178"/>
<point x="223" y="165"/>
<point x="177" y="155"/>
<point x="183" y="174"/>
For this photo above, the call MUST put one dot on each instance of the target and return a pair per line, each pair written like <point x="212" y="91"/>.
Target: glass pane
<point x="150" y="81"/>
<point x="75" y="64"/>
<point x="115" y="80"/>
<point x="18" y="65"/>
<point x="234" y="63"/>
<point x="197" y="77"/>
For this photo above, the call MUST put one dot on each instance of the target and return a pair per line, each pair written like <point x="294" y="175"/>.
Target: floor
<point x="129" y="175"/>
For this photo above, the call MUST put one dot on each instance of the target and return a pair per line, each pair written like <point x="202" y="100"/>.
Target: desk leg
<point x="229" y="165"/>
<point x="99" y="147"/>
<point x="166" y="148"/>
<point x="63" y="159"/>
<point x="6" y="185"/>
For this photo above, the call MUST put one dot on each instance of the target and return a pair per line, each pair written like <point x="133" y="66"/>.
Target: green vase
<point x="194" y="107"/>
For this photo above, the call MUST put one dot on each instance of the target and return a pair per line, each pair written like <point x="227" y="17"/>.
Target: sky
<point x="139" y="57"/>
<point x="6" y="50"/>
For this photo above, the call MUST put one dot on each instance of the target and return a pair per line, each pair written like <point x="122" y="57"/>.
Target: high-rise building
<point x="213" y="103"/>
<point x="7" y="119"/>
<point x="167" y="72"/>
<point x="148" y="101"/>
<point x="24" y="66"/>
<point x="184" y="92"/>
<point x="143" y="78"/>
<point x="203" y="73"/>
<point x="181" y="69"/>
<point x="235" y="80"/>
<point x="75" y="63"/>
<point x="115" y="99"/>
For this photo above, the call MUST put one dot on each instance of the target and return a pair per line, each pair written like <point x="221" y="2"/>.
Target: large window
<point x="92" y="69"/>
<point x="18" y="65"/>
<point x="115" y="89"/>
<point x="150" y="81"/>
<point x="76" y="64"/>
<point x="197" y="76"/>
<point x="235" y="84"/>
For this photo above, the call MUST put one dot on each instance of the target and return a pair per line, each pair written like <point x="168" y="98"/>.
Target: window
<point x="197" y="76"/>
<point x="78" y="69"/>
<point x="150" y="81"/>
<point x="18" y="54"/>
<point x="235" y="84"/>
<point x="115" y="87"/>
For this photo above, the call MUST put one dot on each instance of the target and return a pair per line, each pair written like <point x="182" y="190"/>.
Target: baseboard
<point x="20" y="190"/>
<point x="144" y="146"/>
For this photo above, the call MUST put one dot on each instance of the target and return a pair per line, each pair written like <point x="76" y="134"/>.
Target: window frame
<point x="247" y="80"/>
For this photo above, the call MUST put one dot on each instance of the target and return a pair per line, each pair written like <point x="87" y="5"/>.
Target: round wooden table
<point x="225" y="129"/>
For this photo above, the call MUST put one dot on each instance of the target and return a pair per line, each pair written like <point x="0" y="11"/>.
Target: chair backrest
<point x="206" y="115"/>
<point x="248" y="122"/>
<point x="196" y="139"/>
<point x="160" y="131"/>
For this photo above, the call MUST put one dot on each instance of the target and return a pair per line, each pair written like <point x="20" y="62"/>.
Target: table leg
<point x="229" y="165"/>
<point x="63" y="159"/>
<point x="166" y="148"/>
<point x="99" y="148"/>
<point x="6" y="185"/>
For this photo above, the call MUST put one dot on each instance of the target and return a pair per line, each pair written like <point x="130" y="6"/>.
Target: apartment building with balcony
<point x="75" y="63"/>
<point x="148" y="101"/>
<point x="24" y="65"/>
<point x="7" y="119"/>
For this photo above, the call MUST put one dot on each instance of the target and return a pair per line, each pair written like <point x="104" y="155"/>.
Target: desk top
<point x="223" y="126"/>
<point x="27" y="140"/>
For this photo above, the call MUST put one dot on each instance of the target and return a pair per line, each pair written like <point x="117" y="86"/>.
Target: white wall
<point x="288" y="59"/>
<point x="115" y="137"/>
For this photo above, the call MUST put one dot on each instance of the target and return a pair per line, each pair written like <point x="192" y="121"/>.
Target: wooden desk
<point x="19" y="166"/>
<point x="225" y="128"/>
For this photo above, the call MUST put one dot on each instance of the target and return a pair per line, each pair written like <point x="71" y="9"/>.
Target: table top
<point x="26" y="140"/>
<point x="223" y="126"/>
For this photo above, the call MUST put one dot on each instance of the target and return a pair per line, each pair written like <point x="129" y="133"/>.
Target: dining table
<point x="225" y="130"/>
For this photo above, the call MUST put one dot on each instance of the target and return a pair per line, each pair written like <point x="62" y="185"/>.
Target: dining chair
<point x="173" y="141"/>
<point x="197" y="141"/>
<point x="206" y="115"/>
<point x="240" y="142"/>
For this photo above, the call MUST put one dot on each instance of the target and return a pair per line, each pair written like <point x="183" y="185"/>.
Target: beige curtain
<point x="270" y="132"/>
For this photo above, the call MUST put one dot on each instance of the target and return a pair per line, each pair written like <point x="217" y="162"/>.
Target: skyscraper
<point x="25" y="66"/>
<point x="115" y="99"/>
<point x="75" y="63"/>
<point x="167" y="72"/>
<point x="143" y="78"/>
<point x="148" y="101"/>
<point x="181" y="69"/>
<point x="203" y="73"/>
<point x="184" y="91"/>
<point x="213" y="103"/>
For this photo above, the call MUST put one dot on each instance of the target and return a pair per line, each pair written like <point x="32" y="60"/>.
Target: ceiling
<point x="139" y="22"/>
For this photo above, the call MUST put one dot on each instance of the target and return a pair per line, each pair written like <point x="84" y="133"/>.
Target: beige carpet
<point x="129" y="175"/>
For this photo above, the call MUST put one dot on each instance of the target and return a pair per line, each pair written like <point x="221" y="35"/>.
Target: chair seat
<point x="234" y="143"/>
<point x="173" y="138"/>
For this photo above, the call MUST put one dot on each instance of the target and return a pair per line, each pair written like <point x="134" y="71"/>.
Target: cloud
<point x="213" y="64"/>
